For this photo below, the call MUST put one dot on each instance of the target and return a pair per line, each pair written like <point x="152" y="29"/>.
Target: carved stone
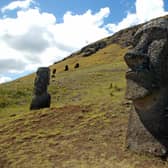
<point x="66" y="68"/>
<point x="41" y="98"/>
<point x="76" y="65"/>
<point x="147" y="87"/>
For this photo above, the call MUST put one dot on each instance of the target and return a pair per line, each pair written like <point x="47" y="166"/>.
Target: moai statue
<point x="147" y="87"/>
<point x="66" y="68"/>
<point x="76" y="65"/>
<point x="53" y="73"/>
<point x="41" y="98"/>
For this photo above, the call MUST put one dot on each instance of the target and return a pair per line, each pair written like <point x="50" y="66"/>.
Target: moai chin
<point x="147" y="87"/>
<point x="41" y="98"/>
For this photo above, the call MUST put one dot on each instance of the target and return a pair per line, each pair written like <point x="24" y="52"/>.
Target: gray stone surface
<point x="147" y="87"/>
<point x="93" y="48"/>
<point x="41" y="97"/>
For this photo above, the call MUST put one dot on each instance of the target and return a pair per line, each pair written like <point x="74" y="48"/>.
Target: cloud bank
<point x="145" y="10"/>
<point x="17" y="5"/>
<point x="4" y="79"/>
<point x="34" y="38"/>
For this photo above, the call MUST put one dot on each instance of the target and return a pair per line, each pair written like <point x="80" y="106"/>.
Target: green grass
<point x="85" y="126"/>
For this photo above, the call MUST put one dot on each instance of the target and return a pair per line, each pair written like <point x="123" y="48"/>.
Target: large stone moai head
<point x="41" y="98"/>
<point x="147" y="87"/>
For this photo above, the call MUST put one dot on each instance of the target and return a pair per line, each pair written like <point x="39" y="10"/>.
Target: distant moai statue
<point x="147" y="87"/>
<point x="76" y="65"/>
<point x="53" y="73"/>
<point x="41" y="98"/>
<point x="66" y="68"/>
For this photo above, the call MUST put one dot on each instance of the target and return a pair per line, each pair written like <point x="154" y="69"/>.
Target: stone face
<point x="76" y="65"/>
<point x="66" y="68"/>
<point x="54" y="71"/>
<point x="41" y="98"/>
<point x="147" y="87"/>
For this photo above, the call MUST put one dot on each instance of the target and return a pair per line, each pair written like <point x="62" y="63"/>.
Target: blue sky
<point x="37" y="33"/>
<point x="118" y="7"/>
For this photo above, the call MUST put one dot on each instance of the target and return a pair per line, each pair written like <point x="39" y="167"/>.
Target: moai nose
<point x="129" y="56"/>
<point x="131" y="59"/>
<point x="135" y="60"/>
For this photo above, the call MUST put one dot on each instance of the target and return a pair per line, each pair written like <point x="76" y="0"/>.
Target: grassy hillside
<point x="86" y="124"/>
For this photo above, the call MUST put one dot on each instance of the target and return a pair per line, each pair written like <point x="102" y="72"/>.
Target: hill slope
<point x="86" y="124"/>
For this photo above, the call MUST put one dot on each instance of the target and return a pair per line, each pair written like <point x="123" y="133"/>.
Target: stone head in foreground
<point x="147" y="87"/>
<point x="41" y="98"/>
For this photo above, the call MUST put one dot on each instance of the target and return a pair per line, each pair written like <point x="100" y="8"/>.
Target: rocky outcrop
<point x="41" y="98"/>
<point x="123" y="38"/>
<point x="147" y="87"/>
<point x="92" y="48"/>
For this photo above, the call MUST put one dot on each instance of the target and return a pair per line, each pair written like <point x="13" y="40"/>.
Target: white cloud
<point x="4" y="79"/>
<point x="145" y="10"/>
<point x="34" y="38"/>
<point x="23" y="40"/>
<point x="77" y="29"/>
<point x="149" y="9"/>
<point x="130" y="20"/>
<point x="11" y="65"/>
<point x="17" y="5"/>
